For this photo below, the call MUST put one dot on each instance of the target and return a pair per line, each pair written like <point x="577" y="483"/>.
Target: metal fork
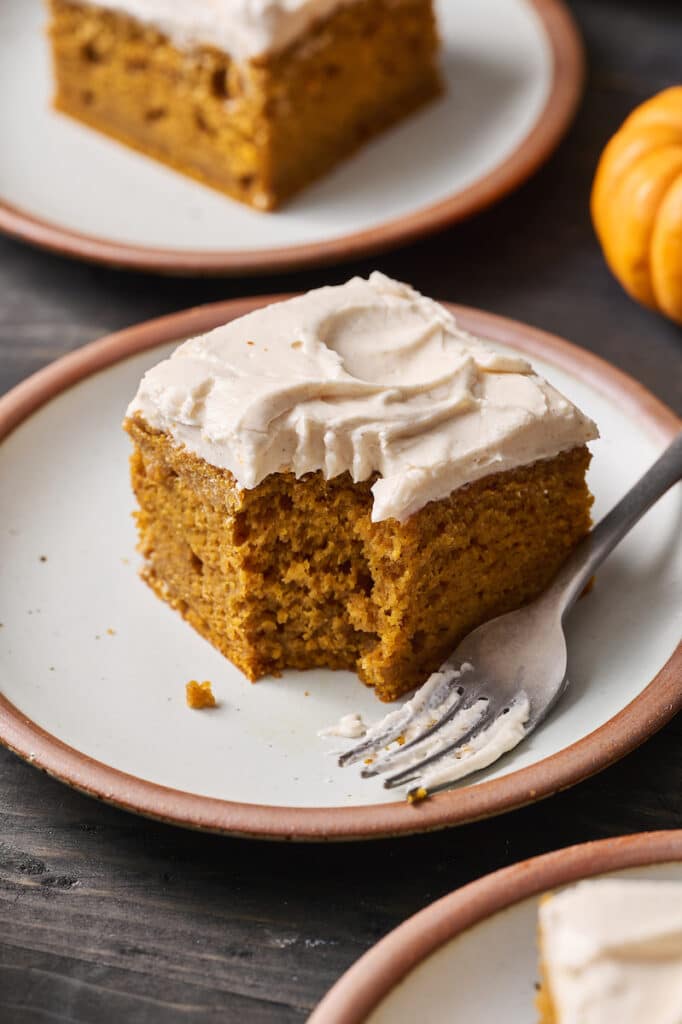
<point x="505" y="677"/>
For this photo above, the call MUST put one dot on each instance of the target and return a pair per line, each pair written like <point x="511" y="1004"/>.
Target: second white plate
<point x="513" y="71"/>
<point x="472" y="956"/>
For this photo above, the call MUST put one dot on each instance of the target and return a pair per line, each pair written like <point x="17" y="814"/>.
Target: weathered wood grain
<point x="105" y="917"/>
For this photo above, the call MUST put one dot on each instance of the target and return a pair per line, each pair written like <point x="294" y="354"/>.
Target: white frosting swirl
<point x="613" y="952"/>
<point x="242" y="28"/>
<point x="366" y="377"/>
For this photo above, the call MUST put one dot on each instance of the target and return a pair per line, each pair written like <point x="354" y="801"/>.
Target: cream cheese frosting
<point x="350" y="727"/>
<point x="368" y="377"/>
<point x="612" y="951"/>
<point x="242" y="28"/>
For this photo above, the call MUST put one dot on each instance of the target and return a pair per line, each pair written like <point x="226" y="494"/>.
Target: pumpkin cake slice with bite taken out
<point x="347" y="479"/>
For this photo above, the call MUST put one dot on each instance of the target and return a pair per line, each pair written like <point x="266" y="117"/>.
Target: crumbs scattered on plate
<point x="416" y="796"/>
<point x="199" y="695"/>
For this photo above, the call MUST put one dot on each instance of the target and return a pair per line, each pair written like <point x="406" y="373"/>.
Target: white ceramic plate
<point x="513" y="70"/>
<point x="89" y="655"/>
<point x="472" y="956"/>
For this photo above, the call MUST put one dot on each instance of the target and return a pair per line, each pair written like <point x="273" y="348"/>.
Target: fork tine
<point x="414" y="771"/>
<point x="495" y="739"/>
<point x="454" y="708"/>
<point x="439" y="687"/>
<point x="460" y="719"/>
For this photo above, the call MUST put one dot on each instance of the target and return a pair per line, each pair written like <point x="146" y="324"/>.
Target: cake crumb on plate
<point x="199" y="695"/>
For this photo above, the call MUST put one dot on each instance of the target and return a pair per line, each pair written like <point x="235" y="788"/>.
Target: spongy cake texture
<point x="293" y="574"/>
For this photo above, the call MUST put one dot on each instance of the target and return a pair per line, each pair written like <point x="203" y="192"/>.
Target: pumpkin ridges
<point x="631" y="216"/>
<point x="636" y="203"/>
<point x="666" y="253"/>
<point x="625" y="148"/>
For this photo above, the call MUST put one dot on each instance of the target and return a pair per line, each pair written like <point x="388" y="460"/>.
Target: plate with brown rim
<point x="513" y="70"/>
<point x="93" y="666"/>
<point x="437" y="967"/>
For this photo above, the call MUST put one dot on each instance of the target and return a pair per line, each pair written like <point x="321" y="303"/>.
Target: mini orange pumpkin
<point x="637" y="203"/>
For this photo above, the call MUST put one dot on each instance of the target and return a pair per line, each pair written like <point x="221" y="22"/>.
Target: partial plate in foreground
<point x="438" y="965"/>
<point x="93" y="666"/>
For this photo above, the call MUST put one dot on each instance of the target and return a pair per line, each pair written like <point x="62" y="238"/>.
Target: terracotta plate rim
<point x="373" y="977"/>
<point x="552" y="123"/>
<point x="650" y="711"/>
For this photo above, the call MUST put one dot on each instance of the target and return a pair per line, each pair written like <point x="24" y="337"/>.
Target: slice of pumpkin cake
<point x="256" y="98"/>
<point x="347" y="479"/>
<point x="611" y="953"/>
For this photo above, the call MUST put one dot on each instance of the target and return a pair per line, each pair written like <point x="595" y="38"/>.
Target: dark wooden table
<point x="105" y="917"/>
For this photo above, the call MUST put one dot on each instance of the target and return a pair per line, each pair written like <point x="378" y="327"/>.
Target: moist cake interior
<point x="293" y="573"/>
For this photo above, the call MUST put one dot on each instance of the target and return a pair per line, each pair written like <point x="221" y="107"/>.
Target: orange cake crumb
<point x="199" y="695"/>
<point x="418" y="795"/>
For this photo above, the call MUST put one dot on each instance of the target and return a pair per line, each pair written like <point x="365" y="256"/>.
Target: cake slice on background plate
<point x="611" y="953"/>
<point x="256" y="98"/>
<point x="347" y="479"/>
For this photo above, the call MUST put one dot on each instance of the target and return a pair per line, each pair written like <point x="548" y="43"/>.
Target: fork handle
<point x="600" y="542"/>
